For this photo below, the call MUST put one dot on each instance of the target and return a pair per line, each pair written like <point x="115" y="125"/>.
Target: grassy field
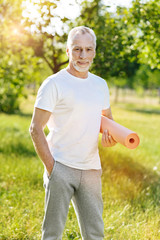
<point x="131" y="179"/>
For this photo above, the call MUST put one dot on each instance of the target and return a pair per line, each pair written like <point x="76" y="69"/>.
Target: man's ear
<point x="67" y="51"/>
<point x="94" y="53"/>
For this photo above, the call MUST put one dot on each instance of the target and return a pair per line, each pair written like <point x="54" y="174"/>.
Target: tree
<point x="46" y="39"/>
<point x="145" y="19"/>
<point x="17" y="63"/>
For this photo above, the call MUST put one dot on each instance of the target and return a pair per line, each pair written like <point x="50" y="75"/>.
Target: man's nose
<point x="83" y="54"/>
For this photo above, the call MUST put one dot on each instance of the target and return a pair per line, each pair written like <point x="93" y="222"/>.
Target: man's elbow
<point x="33" y="130"/>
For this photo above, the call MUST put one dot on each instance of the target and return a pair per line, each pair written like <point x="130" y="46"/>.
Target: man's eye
<point x="89" y="49"/>
<point x="77" y="49"/>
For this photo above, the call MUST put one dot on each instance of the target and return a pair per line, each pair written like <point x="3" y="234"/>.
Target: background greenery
<point x="33" y="41"/>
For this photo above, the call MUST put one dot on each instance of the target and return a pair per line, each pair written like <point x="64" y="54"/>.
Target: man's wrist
<point x="50" y="167"/>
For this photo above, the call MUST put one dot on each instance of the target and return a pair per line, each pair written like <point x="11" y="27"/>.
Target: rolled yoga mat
<point x="120" y="133"/>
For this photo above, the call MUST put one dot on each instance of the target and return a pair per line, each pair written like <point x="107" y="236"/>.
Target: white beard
<point x="81" y="69"/>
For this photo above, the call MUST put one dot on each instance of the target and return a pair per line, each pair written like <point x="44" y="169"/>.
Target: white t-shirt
<point x="74" y="125"/>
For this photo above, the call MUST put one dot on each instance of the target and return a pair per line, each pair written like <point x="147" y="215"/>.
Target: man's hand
<point x="107" y="140"/>
<point x="50" y="168"/>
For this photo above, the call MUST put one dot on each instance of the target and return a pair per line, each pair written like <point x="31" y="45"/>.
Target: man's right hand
<point x="50" y="168"/>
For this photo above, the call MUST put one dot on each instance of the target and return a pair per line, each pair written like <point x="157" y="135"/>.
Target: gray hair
<point x="82" y="30"/>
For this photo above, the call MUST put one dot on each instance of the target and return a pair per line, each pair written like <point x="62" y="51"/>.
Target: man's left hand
<point x="107" y="139"/>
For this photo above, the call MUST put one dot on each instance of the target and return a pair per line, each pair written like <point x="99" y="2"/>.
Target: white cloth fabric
<point x="74" y="125"/>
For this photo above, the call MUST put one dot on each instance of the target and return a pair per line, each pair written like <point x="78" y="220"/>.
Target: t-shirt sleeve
<point x="106" y="96"/>
<point x="47" y="96"/>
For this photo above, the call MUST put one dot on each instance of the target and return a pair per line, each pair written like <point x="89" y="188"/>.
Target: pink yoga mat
<point x="120" y="133"/>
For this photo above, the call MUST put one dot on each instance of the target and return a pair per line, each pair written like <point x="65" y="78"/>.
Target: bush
<point x="12" y="84"/>
<point x="17" y="70"/>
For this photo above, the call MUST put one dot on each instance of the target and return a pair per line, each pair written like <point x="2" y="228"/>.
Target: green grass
<point x="131" y="179"/>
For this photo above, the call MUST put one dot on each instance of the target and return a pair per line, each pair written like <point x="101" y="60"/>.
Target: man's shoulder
<point x="52" y="79"/>
<point x="56" y="75"/>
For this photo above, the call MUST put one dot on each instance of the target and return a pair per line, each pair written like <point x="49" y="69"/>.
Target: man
<point x="71" y="102"/>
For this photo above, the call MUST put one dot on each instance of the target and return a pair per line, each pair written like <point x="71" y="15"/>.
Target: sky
<point x="73" y="10"/>
<point x="114" y="3"/>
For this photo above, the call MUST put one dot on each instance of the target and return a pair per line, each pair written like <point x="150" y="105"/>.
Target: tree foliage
<point x="145" y="18"/>
<point x="18" y="66"/>
<point x="46" y="39"/>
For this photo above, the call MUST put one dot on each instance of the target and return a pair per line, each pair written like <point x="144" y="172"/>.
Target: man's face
<point x="81" y="52"/>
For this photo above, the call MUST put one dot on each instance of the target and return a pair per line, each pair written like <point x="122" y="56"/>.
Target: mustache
<point x="83" y="61"/>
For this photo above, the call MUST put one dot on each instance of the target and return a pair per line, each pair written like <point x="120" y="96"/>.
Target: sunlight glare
<point x="15" y="31"/>
<point x="65" y="9"/>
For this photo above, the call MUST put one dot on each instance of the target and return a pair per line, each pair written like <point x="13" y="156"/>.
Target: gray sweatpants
<point x="83" y="187"/>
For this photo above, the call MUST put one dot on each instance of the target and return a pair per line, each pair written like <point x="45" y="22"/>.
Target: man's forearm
<point x="41" y="147"/>
<point x="107" y="113"/>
